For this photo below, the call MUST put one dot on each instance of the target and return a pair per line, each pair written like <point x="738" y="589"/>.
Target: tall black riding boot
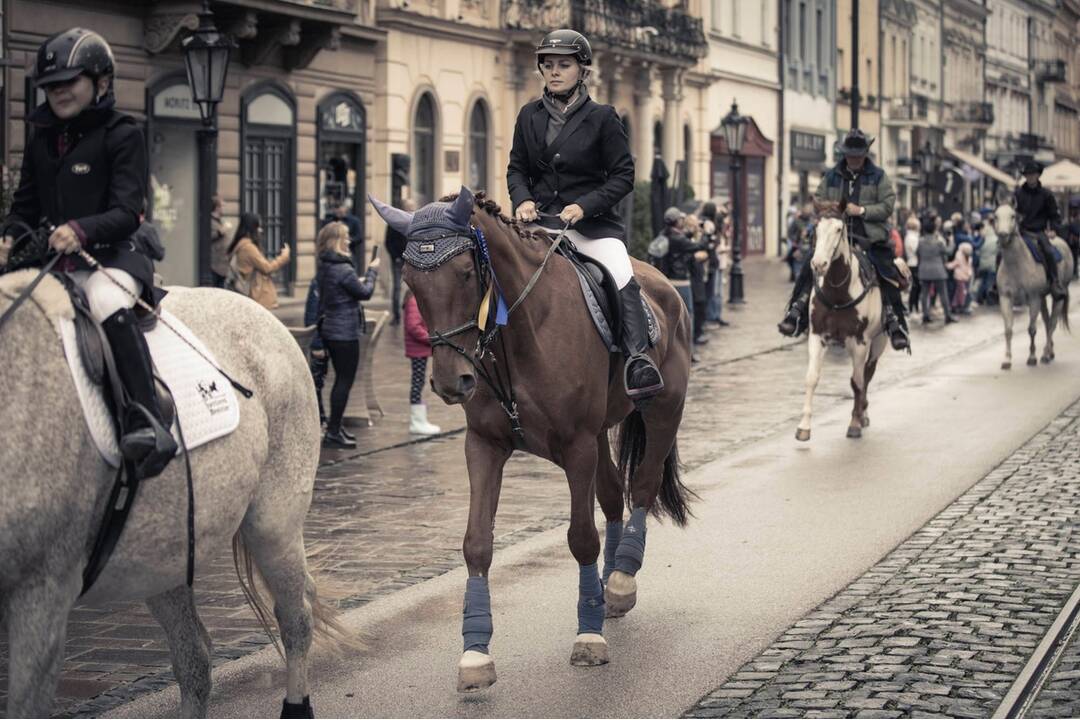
<point x="146" y="442"/>
<point x="641" y="376"/>
<point x="893" y="317"/>
<point x="1046" y="249"/>
<point x="797" y="316"/>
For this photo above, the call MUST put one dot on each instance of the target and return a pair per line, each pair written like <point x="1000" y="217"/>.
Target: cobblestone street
<point x="944" y="623"/>
<point x="392" y="513"/>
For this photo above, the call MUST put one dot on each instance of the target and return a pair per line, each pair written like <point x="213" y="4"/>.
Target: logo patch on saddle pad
<point x="206" y="404"/>
<point x="81" y="169"/>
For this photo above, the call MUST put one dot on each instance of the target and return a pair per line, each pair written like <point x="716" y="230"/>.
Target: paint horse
<point x="1022" y="280"/>
<point x="846" y="310"/>
<point x="567" y="392"/>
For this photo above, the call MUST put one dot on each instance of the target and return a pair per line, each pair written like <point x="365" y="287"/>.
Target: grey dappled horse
<point x="1022" y="281"/>
<point x="252" y="489"/>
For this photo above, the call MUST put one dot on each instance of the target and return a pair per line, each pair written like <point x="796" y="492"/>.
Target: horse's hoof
<point x="590" y="649"/>
<point x="802" y="435"/>
<point x="620" y="594"/>
<point x="1032" y="362"/>
<point x="854" y="432"/>
<point x="1006" y="366"/>
<point x="476" y="672"/>
<point x="1046" y="360"/>
<point x="866" y="421"/>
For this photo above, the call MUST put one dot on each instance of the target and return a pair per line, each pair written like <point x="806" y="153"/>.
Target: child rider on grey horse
<point x="84" y="173"/>
<point x="571" y="163"/>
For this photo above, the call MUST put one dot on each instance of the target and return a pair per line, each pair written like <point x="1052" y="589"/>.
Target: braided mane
<point x="489" y="206"/>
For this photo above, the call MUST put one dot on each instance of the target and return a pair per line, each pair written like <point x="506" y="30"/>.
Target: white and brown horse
<point x="845" y="310"/>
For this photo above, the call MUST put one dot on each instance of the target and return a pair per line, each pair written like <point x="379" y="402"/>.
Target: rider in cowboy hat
<point x="571" y="163"/>
<point x="84" y="172"/>
<point x="866" y="200"/>
<point x="1038" y="209"/>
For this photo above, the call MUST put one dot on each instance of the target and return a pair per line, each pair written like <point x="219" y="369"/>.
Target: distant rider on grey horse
<point x="1038" y="210"/>
<point x="571" y="163"/>
<point x="866" y="198"/>
<point x="84" y="172"/>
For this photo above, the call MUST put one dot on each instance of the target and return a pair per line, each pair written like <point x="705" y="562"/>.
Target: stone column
<point x="673" y="94"/>
<point x="642" y="125"/>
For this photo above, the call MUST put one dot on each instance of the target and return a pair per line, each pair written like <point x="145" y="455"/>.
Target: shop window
<point x="342" y="133"/>
<point x="424" y="151"/>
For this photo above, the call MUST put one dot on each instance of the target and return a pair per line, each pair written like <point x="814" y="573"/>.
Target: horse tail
<point x="326" y="622"/>
<point x="673" y="498"/>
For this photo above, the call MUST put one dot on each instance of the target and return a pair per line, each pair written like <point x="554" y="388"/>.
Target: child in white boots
<point x="418" y="350"/>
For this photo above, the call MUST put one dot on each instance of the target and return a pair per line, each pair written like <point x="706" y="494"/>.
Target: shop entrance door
<point x="174" y="200"/>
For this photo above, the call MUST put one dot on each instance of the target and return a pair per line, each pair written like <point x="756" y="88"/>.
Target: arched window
<point x="341" y="128"/>
<point x="268" y="170"/>
<point x="423" y="180"/>
<point x="478" y="147"/>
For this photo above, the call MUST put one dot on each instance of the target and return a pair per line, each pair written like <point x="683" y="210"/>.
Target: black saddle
<point x="602" y="298"/>
<point x="97" y="355"/>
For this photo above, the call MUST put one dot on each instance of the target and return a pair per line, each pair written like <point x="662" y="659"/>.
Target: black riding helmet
<point x="565" y="42"/>
<point x="71" y="53"/>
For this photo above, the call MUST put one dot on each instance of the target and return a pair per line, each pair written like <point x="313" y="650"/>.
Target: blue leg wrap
<point x="631" y="551"/>
<point x="611" y="542"/>
<point x="476" y="626"/>
<point x="590" y="605"/>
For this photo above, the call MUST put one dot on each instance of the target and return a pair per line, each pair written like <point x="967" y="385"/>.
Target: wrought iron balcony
<point x="907" y="109"/>
<point x="638" y="25"/>
<point x="1052" y="71"/>
<point x="972" y="113"/>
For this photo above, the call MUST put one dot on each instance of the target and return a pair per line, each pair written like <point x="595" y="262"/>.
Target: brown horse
<point x="567" y="392"/>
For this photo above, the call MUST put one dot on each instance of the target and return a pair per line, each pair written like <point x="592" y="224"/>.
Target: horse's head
<point x="829" y="235"/>
<point x="446" y="274"/>
<point x="1005" y="223"/>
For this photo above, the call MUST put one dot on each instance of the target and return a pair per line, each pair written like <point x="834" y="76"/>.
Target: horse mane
<point x="491" y="208"/>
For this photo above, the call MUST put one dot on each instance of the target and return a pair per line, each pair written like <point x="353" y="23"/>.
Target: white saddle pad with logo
<point x="206" y="404"/>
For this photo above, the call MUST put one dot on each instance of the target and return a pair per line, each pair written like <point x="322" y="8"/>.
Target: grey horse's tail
<point x="673" y="498"/>
<point x="325" y="617"/>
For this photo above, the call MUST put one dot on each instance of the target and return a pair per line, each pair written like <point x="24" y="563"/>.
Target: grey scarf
<point x="558" y="117"/>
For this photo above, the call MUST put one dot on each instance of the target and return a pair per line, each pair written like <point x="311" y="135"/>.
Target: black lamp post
<point x="734" y="127"/>
<point x="206" y="55"/>
<point x="927" y="160"/>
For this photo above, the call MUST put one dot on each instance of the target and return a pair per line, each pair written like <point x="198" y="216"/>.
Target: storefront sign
<point x="807" y="149"/>
<point x="175" y="102"/>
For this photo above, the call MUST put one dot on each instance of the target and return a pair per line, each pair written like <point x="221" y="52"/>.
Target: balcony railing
<point x="346" y="5"/>
<point x="640" y="25"/>
<point x="1052" y="71"/>
<point x="910" y="108"/>
<point x="972" y="113"/>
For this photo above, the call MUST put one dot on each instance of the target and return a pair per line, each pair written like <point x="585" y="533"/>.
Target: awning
<point x="982" y="166"/>
<point x="1062" y="174"/>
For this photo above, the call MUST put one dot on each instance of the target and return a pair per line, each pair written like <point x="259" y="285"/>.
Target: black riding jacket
<point x="89" y="172"/>
<point x="589" y="164"/>
<point x="1037" y="208"/>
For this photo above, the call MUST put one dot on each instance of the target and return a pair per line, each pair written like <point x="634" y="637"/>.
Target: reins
<point x="501" y="386"/>
<point x="851" y="260"/>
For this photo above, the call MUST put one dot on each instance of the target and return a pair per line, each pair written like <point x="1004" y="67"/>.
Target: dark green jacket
<point x="875" y="193"/>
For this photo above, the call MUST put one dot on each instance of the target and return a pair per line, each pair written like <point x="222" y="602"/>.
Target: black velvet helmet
<point x="565" y="42"/>
<point x="71" y="53"/>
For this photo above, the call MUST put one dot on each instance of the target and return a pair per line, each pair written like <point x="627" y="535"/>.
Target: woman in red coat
<point x="418" y="350"/>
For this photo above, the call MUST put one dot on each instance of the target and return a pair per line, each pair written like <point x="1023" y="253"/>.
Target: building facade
<point x="809" y="88"/>
<point x="1008" y="80"/>
<point x="293" y="123"/>
<point x="898" y="110"/>
<point x="869" y="78"/>
<point x="1066" y="121"/>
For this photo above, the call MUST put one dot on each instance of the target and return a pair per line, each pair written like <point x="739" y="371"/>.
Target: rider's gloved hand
<point x="64" y="240"/>
<point x="526" y="212"/>
<point x="571" y="214"/>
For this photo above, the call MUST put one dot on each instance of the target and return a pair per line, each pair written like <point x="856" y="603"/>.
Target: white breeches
<point x="609" y="252"/>
<point x="104" y="297"/>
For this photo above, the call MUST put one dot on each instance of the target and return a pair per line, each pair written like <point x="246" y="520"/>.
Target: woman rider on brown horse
<point x="571" y="163"/>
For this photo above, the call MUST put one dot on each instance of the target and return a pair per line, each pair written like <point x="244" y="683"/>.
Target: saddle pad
<point x="206" y="404"/>
<point x="1032" y="243"/>
<point x="603" y="326"/>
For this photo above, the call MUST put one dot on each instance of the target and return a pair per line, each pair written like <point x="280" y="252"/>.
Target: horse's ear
<point x="395" y="218"/>
<point x="461" y="210"/>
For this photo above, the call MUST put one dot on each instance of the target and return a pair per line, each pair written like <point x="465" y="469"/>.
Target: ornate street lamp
<point x="734" y="127"/>
<point x="206" y="55"/>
